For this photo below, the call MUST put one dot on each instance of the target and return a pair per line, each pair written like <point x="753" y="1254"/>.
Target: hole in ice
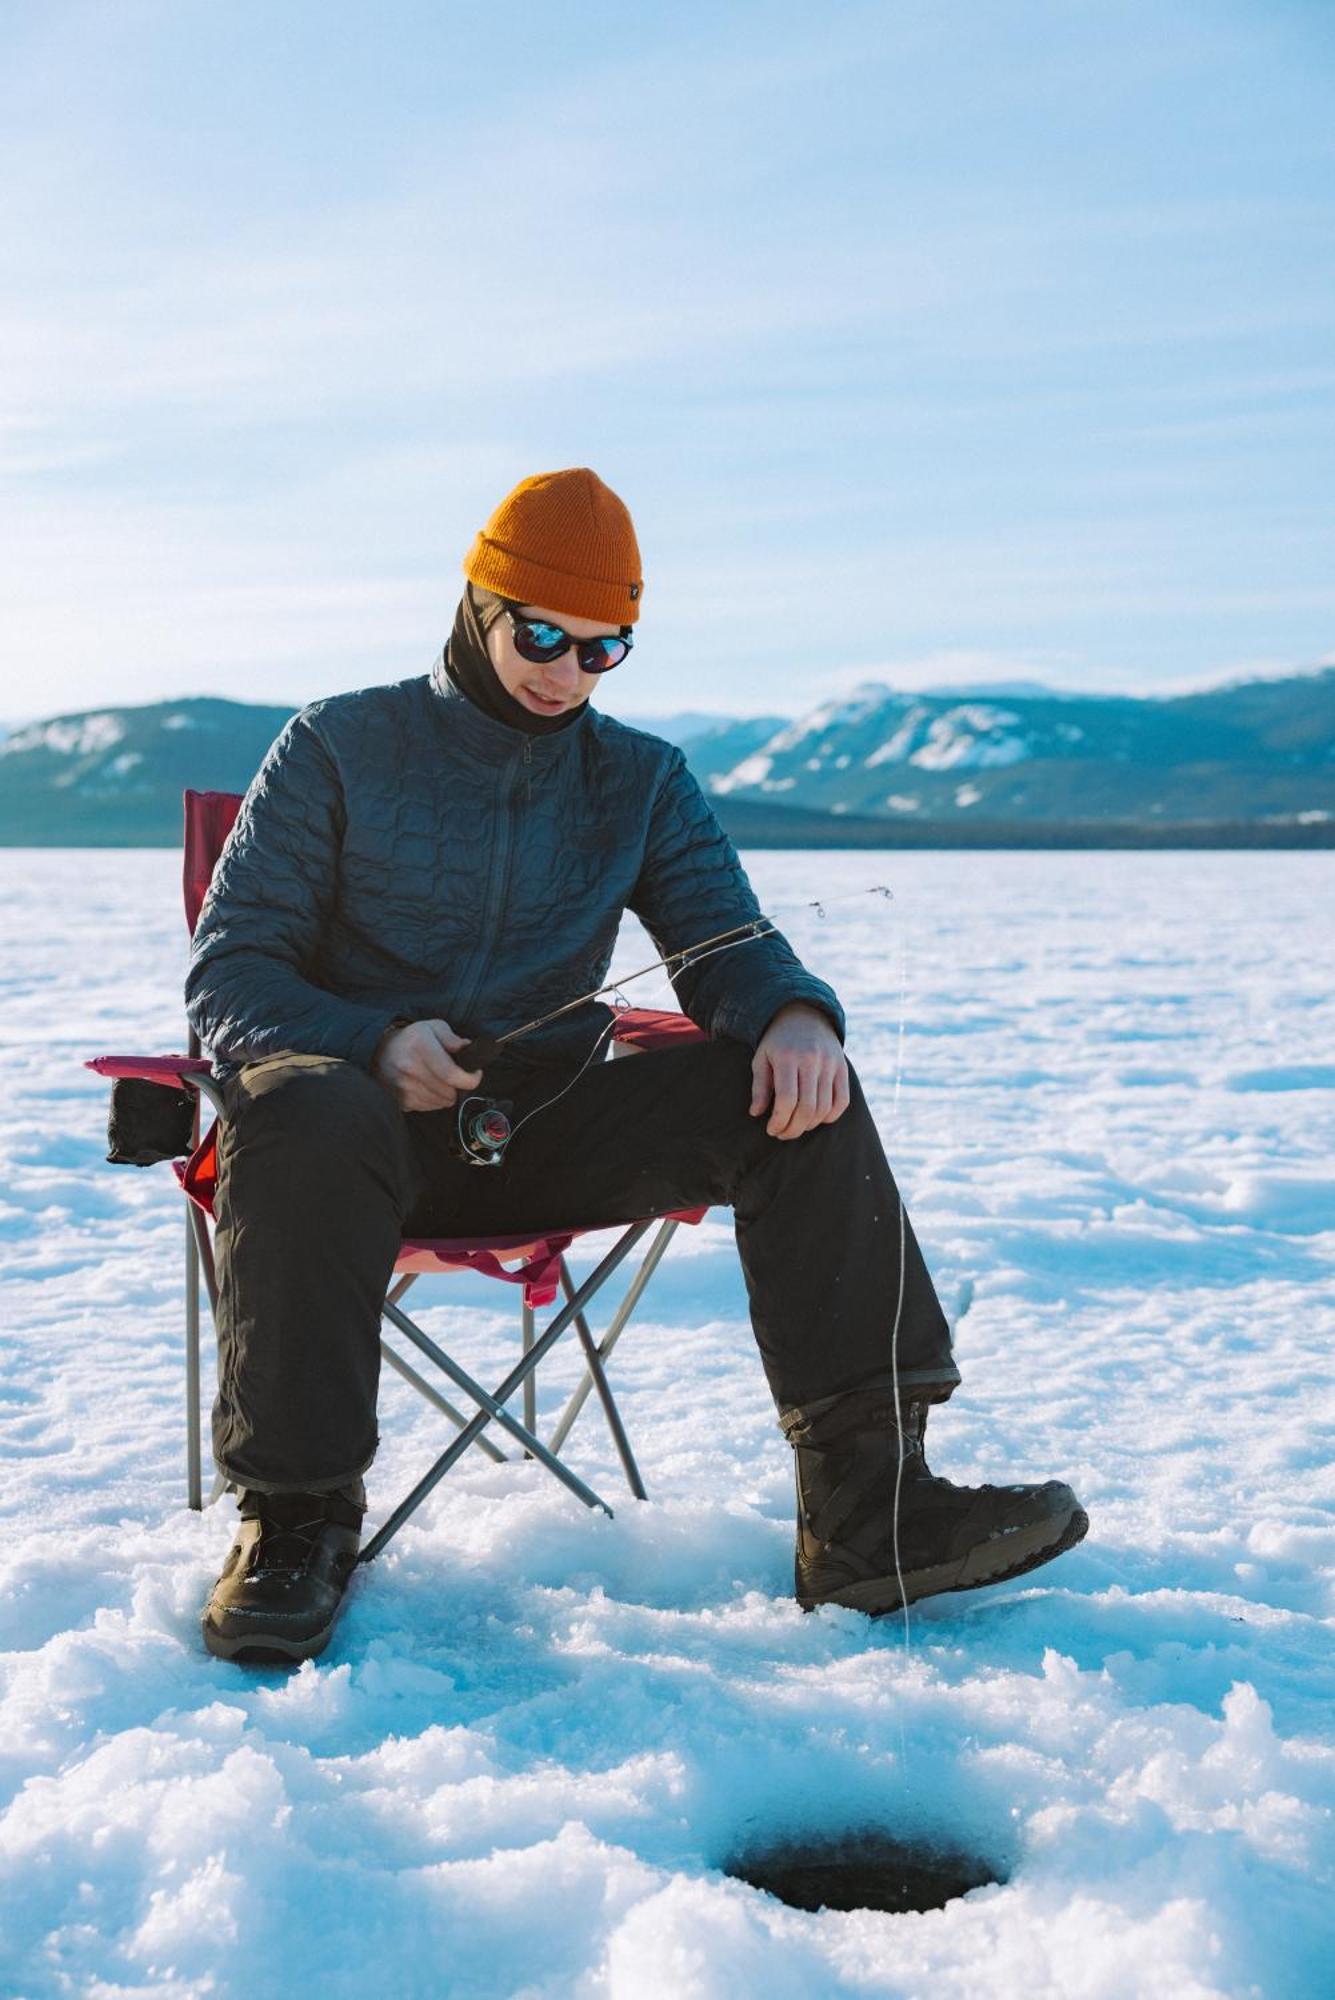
<point x="862" y="1871"/>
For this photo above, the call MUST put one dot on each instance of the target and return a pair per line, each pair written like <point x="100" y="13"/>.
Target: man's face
<point x="557" y="685"/>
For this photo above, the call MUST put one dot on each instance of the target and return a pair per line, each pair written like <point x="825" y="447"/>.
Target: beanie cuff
<point x="492" y="566"/>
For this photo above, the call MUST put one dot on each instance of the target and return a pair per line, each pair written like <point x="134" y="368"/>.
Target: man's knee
<point x="729" y="1079"/>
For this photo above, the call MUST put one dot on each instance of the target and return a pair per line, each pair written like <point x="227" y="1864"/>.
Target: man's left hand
<point x="799" y="1065"/>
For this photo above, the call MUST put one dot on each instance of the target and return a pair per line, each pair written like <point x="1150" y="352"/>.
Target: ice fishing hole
<point x="863" y="1871"/>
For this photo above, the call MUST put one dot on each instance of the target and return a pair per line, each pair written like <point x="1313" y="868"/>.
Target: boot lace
<point x="285" y="1543"/>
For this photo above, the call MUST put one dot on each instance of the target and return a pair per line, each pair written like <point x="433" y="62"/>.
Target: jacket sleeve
<point x="249" y="987"/>
<point x="690" y="887"/>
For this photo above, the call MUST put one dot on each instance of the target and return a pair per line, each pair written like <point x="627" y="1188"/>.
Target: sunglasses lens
<point x="600" y="654"/>
<point x="537" y="641"/>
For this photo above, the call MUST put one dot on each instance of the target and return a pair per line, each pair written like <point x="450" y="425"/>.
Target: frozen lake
<point x="1107" y="1085"/>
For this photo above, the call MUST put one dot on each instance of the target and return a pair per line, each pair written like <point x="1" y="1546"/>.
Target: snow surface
<point x="540" y="1734"/>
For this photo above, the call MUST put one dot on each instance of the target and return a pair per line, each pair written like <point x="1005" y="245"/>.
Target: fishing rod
<point x="482" y="1049"/>
<point x="484" y="1129"/>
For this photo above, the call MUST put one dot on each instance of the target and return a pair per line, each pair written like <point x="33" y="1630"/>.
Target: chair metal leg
<point x="198" y="1262"/>
<point x="424" y="1388"/>
<point x="615" y="1329"/>
<point x="204" y="1251"/>
<point x="194" y="1479"/>
<point x="530" y="1381"/>
<point x="605" y="1396"/>
<point x="492" y="1407"/>
<point x="493" y="1410"/>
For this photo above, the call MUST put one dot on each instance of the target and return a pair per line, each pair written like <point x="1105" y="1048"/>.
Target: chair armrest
<point x="650" y="1028"/>
<point x="174" y="1072"/>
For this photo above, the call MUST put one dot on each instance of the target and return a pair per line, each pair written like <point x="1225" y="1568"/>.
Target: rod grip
<point x="476" y="1054"/>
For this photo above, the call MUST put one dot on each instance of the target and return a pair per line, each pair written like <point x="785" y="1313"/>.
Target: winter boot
<point x="851" y="1456"/>
<point x="285" y="1574"/>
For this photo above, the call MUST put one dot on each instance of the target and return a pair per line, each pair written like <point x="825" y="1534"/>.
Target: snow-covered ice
<point x="1107" y="1083"/>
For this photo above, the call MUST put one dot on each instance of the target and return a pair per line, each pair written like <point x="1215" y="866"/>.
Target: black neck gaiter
<point x="469" y="667"/>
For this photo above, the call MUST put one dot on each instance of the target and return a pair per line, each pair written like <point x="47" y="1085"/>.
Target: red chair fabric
<point x="647" y="1028"/>
<point x="209" y="818"/>
<point x="176" y="1070"/>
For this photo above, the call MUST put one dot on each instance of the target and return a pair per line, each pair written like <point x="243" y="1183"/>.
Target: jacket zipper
<point x="499" y="882"/>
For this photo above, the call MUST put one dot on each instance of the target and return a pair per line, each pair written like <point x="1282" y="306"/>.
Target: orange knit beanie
<point x="565" y="541"/>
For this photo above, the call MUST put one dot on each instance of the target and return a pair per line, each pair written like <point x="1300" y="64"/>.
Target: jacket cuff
<point x="835" y="1019"/>
<point x="363" y="1045"/>
<point x="747" y="1021"/>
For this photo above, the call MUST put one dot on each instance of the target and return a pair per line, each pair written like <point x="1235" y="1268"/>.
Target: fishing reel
<point x="482" y="1125"/>
<point x="482" y="1130"/>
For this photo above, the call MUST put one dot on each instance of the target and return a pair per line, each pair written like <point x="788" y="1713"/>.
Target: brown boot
<point x="851" y="1453"/>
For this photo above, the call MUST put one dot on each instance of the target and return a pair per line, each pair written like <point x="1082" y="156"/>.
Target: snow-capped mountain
<point x="1259" y="750"/>
<point x="113" y="777"/>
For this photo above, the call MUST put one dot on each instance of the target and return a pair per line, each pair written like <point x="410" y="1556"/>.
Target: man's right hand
<point x="415" y="1066"/>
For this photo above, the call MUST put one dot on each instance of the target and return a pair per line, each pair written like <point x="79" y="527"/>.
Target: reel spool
<point x="482" y="1131"/>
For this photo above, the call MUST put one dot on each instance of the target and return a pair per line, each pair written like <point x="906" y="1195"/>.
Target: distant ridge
<point x="113" y="777"/>
<point x="1248" y="764"/>
<point x="1256" y="753"/>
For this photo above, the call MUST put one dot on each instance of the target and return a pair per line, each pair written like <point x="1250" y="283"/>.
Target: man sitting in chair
<point x="418" y="864"/>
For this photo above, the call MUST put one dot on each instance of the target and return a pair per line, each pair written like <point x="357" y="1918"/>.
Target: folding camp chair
<point x="537" y="1264"/>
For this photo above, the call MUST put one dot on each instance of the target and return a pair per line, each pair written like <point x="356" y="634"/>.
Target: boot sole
<point x="266" y="1649"/>
<point x="994" y="1561"/>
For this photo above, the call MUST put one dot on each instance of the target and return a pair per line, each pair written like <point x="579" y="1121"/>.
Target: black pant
<point x="320" y="1174"/>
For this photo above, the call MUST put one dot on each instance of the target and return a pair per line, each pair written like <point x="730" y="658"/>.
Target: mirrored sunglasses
<point x="542" y="643"/>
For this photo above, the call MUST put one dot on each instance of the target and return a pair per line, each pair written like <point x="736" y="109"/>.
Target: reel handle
<point x="476" y="1054"/>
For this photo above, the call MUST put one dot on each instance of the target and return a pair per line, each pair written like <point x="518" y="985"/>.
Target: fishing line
<point x="615" y="988"/>
<point x="688" y="957"/>
<point x="482" y="1049"/>
<point x="547" y="1102"/>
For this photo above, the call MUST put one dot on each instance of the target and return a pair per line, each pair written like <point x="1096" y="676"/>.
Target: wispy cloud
<point x="903" y="344"/>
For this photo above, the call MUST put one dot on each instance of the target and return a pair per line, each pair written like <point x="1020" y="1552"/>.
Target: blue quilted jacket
<point x="402" y="854"/>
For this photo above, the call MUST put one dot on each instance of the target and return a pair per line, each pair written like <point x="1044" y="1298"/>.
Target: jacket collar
<point x="492" y="741"/>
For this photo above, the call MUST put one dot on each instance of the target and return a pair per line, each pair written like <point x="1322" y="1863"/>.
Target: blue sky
<point x="963" y="340"/>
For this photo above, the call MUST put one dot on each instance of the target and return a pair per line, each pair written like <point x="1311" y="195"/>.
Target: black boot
<point x="851" y="1454"/>
<point x="283" y="1582"/>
